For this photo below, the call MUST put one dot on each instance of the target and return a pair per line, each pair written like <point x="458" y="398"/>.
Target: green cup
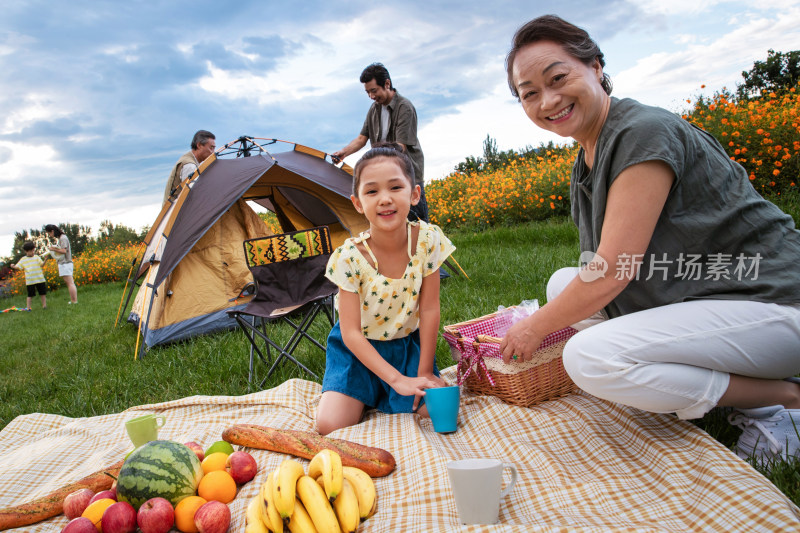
<point x="143" y="429"/>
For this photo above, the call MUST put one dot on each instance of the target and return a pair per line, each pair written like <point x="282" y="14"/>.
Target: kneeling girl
<point x="381" y="352"/>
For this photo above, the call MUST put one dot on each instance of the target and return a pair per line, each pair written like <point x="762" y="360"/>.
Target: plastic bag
<point x="508" y="316"/>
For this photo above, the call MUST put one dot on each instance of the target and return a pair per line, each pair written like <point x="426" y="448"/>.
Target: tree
<point x="111" y="234"/>
<point x="780" y="71"/>
<point x="492" y="158"/>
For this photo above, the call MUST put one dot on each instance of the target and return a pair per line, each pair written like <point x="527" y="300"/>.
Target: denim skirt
<point x="345" y="374"/>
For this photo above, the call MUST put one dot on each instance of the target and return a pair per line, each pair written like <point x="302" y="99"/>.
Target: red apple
<point x="156" y="515"/>
<point x="196" y="448"/>
<point x="241" y="466"/>
<point x="212" y="517"/>
<point x="120" y="517"/>
<point x="79" y="525"/>
<point x="110" y="493"/>
<point x="76" y="502"/>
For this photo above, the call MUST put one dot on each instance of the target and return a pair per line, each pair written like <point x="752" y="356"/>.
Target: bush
<point x="527" y="188"/>
<point x="761" y="134"/>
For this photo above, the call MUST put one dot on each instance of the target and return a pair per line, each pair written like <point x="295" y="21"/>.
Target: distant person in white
<point x="63" y="259"/>
<point x="203" y="145"/>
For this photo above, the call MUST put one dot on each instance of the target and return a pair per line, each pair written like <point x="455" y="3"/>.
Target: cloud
<point x="716" y="62"/>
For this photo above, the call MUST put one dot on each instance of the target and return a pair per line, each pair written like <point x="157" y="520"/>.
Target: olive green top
<point x="716" y="236"/>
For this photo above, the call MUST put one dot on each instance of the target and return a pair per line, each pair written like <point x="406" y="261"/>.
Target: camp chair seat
<point x="291" y="288"/>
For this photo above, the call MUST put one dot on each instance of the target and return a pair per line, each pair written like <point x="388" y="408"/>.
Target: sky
<point x="99" y="99"/>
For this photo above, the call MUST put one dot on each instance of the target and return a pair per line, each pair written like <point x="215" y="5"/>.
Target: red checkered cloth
<point x="468" y="355"/>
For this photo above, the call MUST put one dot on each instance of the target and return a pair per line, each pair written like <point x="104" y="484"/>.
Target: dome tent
<point x="193" y="268"/>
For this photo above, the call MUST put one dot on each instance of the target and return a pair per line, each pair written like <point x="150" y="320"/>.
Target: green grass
<point x="72" y="361"/>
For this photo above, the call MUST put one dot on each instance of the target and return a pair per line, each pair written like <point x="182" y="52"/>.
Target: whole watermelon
<point x="160" y="468"/>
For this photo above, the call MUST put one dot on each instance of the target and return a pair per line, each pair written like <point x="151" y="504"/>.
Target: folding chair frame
<point x="251" y="331"/>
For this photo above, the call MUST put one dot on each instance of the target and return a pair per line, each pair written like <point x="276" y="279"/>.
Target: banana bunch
<point x="330" y="498"/>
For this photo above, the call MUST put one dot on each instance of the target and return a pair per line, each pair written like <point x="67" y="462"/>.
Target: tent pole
<point x="141" y="315"/>
<point x="128" y="280"/>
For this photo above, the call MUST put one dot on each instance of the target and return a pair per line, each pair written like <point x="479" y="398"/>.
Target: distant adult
<point x="63" y="260"/>
<point x="390" y="118"/>
<point x="203" y="145"/>
<point x="691" y="275"/>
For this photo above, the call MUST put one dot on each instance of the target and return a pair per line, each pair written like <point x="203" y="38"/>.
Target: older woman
<point x="63" y="259"/>
<point x="689" y="278"/>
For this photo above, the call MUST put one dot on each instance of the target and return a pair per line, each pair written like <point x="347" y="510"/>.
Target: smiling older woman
<point x="689" y="278"/>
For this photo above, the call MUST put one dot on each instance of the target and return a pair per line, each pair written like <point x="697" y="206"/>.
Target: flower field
<point x="109" y="264"/>
<point x="762" y="134"/>
<point x="528" y="188"/>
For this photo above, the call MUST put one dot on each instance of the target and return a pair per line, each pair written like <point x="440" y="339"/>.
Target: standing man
<point x="390" y="118"/>
<point x="203" y="145"/>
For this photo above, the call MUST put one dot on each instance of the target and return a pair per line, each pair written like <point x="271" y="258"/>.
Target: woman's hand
<point x="520" y="341"/>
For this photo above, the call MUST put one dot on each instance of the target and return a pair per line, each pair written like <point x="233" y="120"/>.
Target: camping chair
<point x="291" y="287"/>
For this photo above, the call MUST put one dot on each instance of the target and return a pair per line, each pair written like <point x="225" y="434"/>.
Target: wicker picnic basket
<point x="476" y="347"/>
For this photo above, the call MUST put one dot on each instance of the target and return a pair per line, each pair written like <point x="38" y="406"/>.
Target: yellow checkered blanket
<point x="584" y="464"/>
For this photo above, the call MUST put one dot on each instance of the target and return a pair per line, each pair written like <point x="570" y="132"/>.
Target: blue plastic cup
<point x="442" y="405"/>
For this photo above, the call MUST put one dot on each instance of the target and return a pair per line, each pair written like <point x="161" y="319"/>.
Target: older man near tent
<point x="390" y="118"/>
<point x="203" y="145"/>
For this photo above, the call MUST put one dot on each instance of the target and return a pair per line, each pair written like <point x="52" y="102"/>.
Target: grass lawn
<point x="72" y="361"/>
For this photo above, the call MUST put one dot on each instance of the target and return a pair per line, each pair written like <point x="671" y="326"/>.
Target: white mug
<point x="476" y="486"/>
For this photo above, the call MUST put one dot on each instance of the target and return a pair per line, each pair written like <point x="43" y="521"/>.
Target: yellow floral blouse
<point x="389" y="307"/>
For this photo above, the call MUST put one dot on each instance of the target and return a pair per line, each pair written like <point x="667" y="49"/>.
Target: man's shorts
<point x="65" y="269"/>
<point x="40" y="287"/>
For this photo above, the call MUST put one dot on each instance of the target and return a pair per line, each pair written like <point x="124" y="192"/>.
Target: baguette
<point x="53" y="503"/>
<point x="374" y="461"/>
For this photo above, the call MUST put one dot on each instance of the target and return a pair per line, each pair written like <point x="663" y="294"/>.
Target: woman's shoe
<point x="769" y="434"/>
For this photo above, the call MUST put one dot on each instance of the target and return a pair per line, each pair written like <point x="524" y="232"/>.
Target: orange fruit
<point x="217" y="485"/>
<point x="215" y="461"/>
<point x="96" y="509"/>
<point x="184" y="513"/>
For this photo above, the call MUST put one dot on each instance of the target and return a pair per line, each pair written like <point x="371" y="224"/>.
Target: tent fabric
<point x="584" y="464"/>
<point x="194" y="297"/>
<point x="193" y="267"/>
<point x="222" y="184"/>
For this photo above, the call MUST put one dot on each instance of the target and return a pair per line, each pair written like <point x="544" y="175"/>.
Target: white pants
<point x="677" y="358"/>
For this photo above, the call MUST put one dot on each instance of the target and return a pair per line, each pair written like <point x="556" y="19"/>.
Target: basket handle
<point x="471" y="358"/>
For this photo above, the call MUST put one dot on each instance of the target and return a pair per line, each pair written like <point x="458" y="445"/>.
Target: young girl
<point x="381" y="352"/>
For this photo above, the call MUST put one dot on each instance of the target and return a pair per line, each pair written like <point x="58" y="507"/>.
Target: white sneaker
<point x="768" y="434"/>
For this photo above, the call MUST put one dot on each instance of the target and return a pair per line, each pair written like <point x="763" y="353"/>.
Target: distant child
<point x="381" y="352"/>
<point x="34" y="277"/>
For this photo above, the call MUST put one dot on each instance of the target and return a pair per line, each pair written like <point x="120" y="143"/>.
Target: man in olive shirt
<point x="203" y="145"/>
<point x="390" y="118"/>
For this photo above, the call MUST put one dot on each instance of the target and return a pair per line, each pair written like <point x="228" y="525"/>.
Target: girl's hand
<point x="430" y="375"/>
<point x="406" y="386"/>
<point x="433" y="378"/>
<point x="520" y="342"/>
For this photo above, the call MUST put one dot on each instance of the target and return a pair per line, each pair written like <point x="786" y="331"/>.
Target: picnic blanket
<point x="584" y="464"/>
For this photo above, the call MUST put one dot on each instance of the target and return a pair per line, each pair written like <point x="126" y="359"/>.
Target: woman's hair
<point x="574" y="40"/>
<point x="52" y="227"/>
<point x="384" y="149"/>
